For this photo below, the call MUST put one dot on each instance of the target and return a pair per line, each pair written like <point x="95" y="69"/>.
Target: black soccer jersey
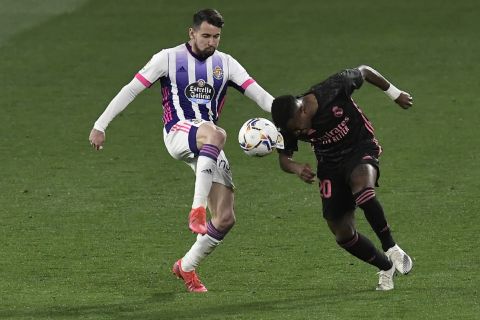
<point x="339" y="125"/>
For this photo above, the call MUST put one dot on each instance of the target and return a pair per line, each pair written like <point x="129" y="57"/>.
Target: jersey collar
<point x="189" y="48"/>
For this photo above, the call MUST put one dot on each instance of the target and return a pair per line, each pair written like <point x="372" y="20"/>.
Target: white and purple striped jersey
<point x="193" y="88"/>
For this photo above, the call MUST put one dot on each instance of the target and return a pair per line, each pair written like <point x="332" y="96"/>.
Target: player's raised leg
<point x="210" y="140"/>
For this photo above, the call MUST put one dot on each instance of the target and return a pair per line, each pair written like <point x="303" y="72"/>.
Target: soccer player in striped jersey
<point x="347" y="155"/>
<point x="194" y="78"/>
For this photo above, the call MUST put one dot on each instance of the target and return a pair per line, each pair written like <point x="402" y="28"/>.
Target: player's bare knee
<point x="231" y="221"/>
<point x="218" y="138"/>
<point x="209" y="133"/>
<point x="225" y="222"/>
<point x="228" y="222"/>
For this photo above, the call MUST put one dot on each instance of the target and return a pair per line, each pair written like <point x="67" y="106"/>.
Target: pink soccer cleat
<point x="191" y="280"/>
<point x="197" y="220"/>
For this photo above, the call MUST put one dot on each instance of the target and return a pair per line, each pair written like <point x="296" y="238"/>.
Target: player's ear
<point x="190" y="33"/>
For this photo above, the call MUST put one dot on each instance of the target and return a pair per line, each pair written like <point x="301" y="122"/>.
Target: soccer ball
<point x="258" y="137"/>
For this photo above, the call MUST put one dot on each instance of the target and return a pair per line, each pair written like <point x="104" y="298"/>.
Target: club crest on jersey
<point x="218" y="73"/>
<point x="337" y="111"/>
<point x="200" y="92"/>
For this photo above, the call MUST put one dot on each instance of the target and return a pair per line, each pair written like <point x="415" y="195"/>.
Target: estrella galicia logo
<point x="200" y="92"/>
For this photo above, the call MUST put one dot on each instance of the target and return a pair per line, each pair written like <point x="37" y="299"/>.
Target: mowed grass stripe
<point x="19" y="16"/>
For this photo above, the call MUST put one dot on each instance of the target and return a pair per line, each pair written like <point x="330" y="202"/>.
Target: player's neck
<point x="192" y="48"/>
<point x="310" y="103"/>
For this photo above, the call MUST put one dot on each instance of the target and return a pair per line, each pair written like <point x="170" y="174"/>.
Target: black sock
<point x="373" y="211"/>
<point x="363" y="249"/>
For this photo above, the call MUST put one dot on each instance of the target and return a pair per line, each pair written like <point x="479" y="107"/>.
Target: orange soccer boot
<point x="191" y="280"/>
<point x="197" y="220"/>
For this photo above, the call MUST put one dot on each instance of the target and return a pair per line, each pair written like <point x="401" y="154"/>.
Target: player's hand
<point x="97" y="139"/>
<point x="405" y="100"/>
<point x="305" y="172"/>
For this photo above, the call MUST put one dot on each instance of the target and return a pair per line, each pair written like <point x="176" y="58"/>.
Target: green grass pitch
<point x="88" y="235"/>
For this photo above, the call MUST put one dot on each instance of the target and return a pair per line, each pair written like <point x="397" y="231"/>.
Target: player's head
<point x="205" y="32"/>
<point x="289" y="114"/>
<point x="211" y="16"/>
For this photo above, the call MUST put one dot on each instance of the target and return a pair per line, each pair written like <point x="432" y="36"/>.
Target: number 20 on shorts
<point x="325" y="188"/>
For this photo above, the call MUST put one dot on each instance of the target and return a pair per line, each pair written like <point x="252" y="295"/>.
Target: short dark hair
<point x="211" y="16"/>
<point x="283" y="109"/>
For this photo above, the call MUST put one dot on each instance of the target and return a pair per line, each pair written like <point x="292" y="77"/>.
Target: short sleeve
<point x="290" y="144"/>
<point x="352" y="79"/>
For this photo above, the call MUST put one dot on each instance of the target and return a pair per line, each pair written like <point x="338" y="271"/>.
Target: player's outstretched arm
<point x="117" y="105"/>
<point x="402" y="98"/>
<point x="248" y="86"/>
<point x="302" y="170"/>
<point x="260" y="96"/>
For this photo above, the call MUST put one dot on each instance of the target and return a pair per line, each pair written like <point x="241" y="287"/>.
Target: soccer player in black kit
<point x="347" y="158"/>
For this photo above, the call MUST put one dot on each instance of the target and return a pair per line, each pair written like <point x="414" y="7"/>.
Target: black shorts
<point x="335" y="191"/>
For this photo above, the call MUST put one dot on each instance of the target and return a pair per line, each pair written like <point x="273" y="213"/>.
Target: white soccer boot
<point x="402" y="262"/>
<point x="385" y="281"/>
